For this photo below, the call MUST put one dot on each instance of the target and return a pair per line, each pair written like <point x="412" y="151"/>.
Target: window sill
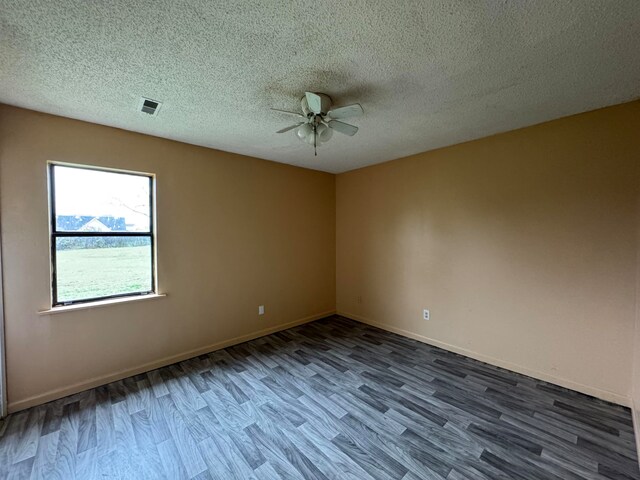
<point x="100" y="303"/>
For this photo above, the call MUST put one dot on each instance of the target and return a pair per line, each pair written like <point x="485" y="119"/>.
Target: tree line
<point x="79" y="243"/>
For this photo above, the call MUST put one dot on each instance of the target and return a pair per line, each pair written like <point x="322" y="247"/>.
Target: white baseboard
<point x="563" y="382"/>
<point x="112" y="377"/>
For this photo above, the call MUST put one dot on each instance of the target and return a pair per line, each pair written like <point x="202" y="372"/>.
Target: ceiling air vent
<point x="149" y="106"/>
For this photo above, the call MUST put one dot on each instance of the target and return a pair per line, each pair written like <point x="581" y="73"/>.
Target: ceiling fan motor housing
<point x="325" y="104"/>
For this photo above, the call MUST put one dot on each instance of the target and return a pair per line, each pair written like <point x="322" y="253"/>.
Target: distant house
<point x="84" y="223"/>
<point x="94" y="225"/>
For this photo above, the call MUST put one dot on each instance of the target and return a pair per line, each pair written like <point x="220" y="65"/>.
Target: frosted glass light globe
<point x="324" y="133"/>
<point x="309" y="139"/>
<point x="304" y="131"/>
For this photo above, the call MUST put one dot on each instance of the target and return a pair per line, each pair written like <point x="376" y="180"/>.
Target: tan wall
<point x="233" y="232"/>
<point x="522" y="245"/>
<point x="635" y="384"/>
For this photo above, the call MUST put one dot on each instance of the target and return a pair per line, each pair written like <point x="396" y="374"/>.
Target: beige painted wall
<point x="522" y="245"/>
<point x="635" y="383"/>
<point x="233" y="232"/>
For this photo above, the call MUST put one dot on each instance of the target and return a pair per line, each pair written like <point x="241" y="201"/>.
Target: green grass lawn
<point x="99" y="272"/>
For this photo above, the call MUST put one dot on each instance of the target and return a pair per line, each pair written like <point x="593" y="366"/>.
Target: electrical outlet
<point x="425" y="314"/>
<point x="359" y="298"/>
<point x="260" y="309"/>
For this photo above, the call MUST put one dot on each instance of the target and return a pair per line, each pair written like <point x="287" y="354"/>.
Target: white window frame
<point x="53" y="234"/>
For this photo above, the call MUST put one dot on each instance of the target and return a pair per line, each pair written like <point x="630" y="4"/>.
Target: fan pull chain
<point x="315" y="136"/>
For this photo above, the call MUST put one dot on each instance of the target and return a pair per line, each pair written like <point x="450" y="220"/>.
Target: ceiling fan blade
<point x="343" y="127"/>
<point x="314" y="101"/>
<point x="289" y="113"/>
<point x="291" y="127"/>
<point x="347" y="111"/>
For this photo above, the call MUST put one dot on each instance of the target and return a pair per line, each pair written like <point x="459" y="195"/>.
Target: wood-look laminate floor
<point x="331" y="399"/>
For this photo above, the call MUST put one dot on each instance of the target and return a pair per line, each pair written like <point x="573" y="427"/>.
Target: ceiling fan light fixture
<point x="324" y="133"/>
<point x="318" y="120"/>
<point x="304" y="131"/>
<point x="309" y="139"/>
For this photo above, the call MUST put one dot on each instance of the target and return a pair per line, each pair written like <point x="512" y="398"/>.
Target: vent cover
<point x="149" y="106"/>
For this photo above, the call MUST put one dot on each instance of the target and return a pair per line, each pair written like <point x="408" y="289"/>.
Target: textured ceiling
<point x="428" y="73"/>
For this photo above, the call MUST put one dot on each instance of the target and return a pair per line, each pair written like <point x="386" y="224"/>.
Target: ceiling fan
<point x="318" y="119"/>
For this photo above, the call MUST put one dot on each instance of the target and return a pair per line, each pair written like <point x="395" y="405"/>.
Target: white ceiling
<point x="428" y="73"/>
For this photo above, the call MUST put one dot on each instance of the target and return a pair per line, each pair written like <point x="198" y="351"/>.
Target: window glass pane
<point x="92" y="267"/>
<point x="99" y="201"/>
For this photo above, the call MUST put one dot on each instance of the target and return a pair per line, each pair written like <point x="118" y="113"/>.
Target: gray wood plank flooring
<point x="333" y="399"/>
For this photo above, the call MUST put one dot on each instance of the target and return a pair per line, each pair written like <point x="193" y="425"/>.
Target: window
<point x="102" y="234"/>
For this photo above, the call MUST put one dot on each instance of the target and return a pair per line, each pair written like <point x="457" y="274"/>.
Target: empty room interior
<point x="320" y="240"/>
